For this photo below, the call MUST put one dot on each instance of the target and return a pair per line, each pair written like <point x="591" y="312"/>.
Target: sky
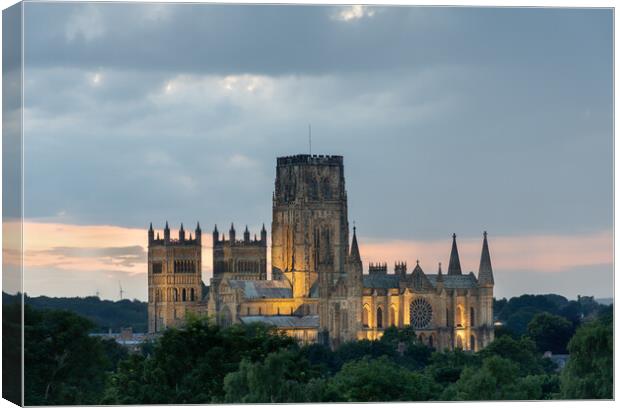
<point x="449" y="120"/>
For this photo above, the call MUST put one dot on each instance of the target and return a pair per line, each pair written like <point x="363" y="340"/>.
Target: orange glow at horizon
<point x="84" y="249"/>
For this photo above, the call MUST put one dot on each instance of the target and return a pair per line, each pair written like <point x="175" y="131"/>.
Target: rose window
<point x="421" y="313"/>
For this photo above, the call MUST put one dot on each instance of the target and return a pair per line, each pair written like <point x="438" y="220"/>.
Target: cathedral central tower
<point x="309" y="225"/>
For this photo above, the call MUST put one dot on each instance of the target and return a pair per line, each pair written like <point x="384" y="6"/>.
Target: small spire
<point x="158" y="236"/>
<point x="439" y="274"/>
<point x="355" y="251"/>
<point x="181" y="226"/>
<point x="198" y="226"/>
<point x="439" y="271"/>
<point x="232" y="226"/>
<point x="151" y="226"/>
<point x="263" y="227"/>
<point x="485" y="272"/>
<point x="417" y="262"/>
<point x="215" y="229"/>
<point x="454" y="267"/>
<point x="246" y="228"/>
<point x="167" y="225"/>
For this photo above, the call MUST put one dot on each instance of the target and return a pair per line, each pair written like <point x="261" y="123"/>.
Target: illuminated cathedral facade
<point x="318" y="291"/>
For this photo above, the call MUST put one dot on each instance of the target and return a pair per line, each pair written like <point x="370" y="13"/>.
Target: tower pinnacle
<point x="485" y="272"/>
<point x="454" y="267"/>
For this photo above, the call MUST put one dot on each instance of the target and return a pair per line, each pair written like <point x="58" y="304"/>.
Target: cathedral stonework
<point x="174" y="278"/>
<point x="318" y="291"/>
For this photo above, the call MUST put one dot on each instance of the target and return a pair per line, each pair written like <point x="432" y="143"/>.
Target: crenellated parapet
<point x="182" y="240"/>
<point x="314" y="159"/>
<point x="377" y="268"/>
<point x="247" y="240"/>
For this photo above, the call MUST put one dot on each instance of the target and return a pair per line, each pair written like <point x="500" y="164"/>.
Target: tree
<point x="445" y="367"/>
<point x="550" y="332"/>
<point x="12" y="353"/>
<point x="589" y="371"/>
<point x="497" y="379"/>
<point x="188" y="365"/>
<point x="522" y="352"/>
<point x="372" y="380"/>
<point x="63" y="364"/>
<point x="280" y="378"/>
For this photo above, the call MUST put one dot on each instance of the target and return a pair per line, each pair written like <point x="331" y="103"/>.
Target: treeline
<point x="203" y="363"/>
<point x="104" y="314"/>
<point x="515" y="314"/>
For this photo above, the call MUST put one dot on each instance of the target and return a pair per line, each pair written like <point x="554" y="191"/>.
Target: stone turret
<point x="198" y="233"/>
<point x="167" y="234"/>
<point x="216" y="235"/>
<point x="181" y="234"/>
<point x="263" y="234"/>
<point x="246" y="235"/>
<point x="151" y="234"/>
<point x="231" y="232"/>
<point x="400" y="268"/>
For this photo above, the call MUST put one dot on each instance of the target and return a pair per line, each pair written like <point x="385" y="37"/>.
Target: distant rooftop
<point x="284" y="322"/>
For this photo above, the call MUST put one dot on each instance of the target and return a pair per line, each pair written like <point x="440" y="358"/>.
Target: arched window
<point x="260" y="311"/>
<point x="379" y="317"/>
<point x="191" y="296"/>
<point x="365" y="316"/>
<point x="422" y="338"/>
<point x="184" y="295"/>
<point x="393" y="319"/>
<point x="472" y="343"/>
<point x="459" y="342"/>
<point x="447" y="318"/>
<point x="175" y="294"/>
<point x="431" y="341"/>
<point x="472" y="320"/>
<point x="459" y="316"/>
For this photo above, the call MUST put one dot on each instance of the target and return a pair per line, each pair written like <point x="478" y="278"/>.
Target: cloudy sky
<point x="449" y="120"/>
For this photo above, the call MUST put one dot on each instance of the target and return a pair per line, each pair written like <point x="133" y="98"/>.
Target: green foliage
<point x="63" y="364"/>
<point x="589" y="371"/>
<point x="188" y="365"/>
<point x="521" y="351"/>
<point x="497" y="379"/>
<point x="280" y="378"/>
<point x="203" y="363"/>
<point x="517" y="312"/>
<point x="550" y="332"/>
<point x="378" y="379"/>
<point x="12" y="352"/>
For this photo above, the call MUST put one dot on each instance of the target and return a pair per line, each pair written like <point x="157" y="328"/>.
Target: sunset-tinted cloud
<point x="99" y="252"/>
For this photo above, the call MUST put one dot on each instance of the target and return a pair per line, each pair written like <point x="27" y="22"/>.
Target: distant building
<point x="318" y="291"/>
<point x="560" y="360"/>
<point x="126" y="338"/>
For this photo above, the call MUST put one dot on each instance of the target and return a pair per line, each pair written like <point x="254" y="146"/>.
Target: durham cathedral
<point x="318" y="291"/>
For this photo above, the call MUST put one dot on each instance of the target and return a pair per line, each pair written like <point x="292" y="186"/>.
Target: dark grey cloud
<point x="449" y="119"/>
<point x="276" y="40"/>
